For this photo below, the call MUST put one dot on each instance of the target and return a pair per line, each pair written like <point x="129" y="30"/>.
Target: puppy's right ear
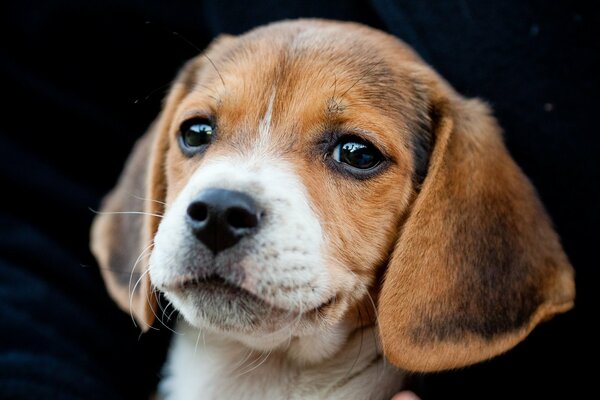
<point x="123" y="232"/>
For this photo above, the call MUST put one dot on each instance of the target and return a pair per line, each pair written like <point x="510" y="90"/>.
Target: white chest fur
<point x="213" y="367"/>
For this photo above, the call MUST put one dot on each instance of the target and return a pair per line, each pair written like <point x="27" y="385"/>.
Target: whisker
<point x="362" y="76"/>
<point x="169" y="304"/>
<point x="375" y="317"/>
<point x="158" y="297"/>
<point x="158" y="318"/>
<point x="113" y="270"/>
<point x="211" y="92"/>
<point x="151" y="93"/>
<point x="191" y="44"/>
<point x="162" y="314"/>
<point x="288" y="327"/>
<point x="125" y="212"/>
<point x="163" y="310"/>
<point x="215" y="67"/>
<point x="251" y="364"/>
<point x="371" y="308"/>
<point x="266" y="357"/>
<point x="334" y="85"/>
<point x="180" y="36"/>
<point x="360" y="346"/>
<point x="262" y="362"/>
<point x="135" y="264"/>
<point x="171" y="314"/>
<point x="131" y="300"/>
<point x="155" y="289"/>
<point x="240" y="363"/>
<point x="197" y="340"/>
<point x="146" y="199"/>
<point x="131" y="291"/>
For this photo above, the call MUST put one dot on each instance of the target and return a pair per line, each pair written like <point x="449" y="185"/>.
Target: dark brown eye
<point x="195" y="134"/>
<point x="356" y="153"/>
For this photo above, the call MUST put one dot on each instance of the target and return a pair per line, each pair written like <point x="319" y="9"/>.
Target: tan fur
<point x="118" y="239"/>
<point x="437" y="243"/>
<point x="471" y="174"/>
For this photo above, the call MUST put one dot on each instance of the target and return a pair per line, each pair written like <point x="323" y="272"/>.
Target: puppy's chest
<point x="211" y="368"/>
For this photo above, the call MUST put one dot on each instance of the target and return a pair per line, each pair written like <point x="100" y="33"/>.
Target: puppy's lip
<point x="219" y="286"/>
<point x="196" y="282"/>
<point x="215" y="285"/>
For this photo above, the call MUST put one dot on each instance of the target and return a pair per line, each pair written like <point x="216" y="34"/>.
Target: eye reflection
<point x="356" y="153"/>
<point x="195" y="135"/>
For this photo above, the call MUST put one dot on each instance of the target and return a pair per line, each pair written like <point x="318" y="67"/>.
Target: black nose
<point x="220" y="218"/>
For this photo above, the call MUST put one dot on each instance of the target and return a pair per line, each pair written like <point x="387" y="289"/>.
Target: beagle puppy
<point x="325" y="212"/>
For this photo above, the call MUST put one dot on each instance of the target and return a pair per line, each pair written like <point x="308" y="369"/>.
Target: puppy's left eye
<point x="356" y="153"/>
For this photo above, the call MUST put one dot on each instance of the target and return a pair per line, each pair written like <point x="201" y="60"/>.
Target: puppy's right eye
<point x="195" y="135"/>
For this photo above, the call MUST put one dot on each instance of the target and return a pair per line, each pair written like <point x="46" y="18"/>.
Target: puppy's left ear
<point x="477" y="265"/>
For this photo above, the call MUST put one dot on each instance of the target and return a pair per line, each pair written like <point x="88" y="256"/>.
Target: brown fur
<point x="471" y="261"/>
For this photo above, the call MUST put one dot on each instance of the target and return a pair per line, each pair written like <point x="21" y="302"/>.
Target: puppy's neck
<point x="209" y="366"/>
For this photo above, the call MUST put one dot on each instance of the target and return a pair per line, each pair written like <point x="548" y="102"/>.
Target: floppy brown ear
<point x="120" y="235"/>
<point x="123" y="230"/>
<point x="477" y="265"/>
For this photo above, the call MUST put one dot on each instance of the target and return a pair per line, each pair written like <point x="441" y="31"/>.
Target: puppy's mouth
<point x="215" y="286"/>
<point x="212" y="285"/>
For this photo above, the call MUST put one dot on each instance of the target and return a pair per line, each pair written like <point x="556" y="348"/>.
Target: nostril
<point x="240" y="218"/>
<point x="220" y="218"/>
<point x="198" y="211"/>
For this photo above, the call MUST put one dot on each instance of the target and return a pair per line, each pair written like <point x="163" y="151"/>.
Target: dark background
<point x="80" y="81"/>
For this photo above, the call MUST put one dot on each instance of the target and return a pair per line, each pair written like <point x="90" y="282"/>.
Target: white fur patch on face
<point x="282" y="264"/>
<point x="264" y="129"/>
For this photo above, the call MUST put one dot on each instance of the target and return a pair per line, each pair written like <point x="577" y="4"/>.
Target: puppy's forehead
<point x="297" y="77"/>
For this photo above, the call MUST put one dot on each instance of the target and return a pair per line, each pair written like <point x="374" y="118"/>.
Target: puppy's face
<point x="322" y="146"/>
<point x="308" y="175"/>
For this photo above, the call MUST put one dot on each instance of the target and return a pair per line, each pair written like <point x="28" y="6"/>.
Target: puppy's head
<point x="305" y="167"/>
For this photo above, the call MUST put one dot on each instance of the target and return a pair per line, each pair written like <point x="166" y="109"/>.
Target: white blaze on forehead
<point x="264" y="128"/>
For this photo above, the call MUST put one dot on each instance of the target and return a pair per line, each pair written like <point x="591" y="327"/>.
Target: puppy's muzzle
<point x="219" y="218"/>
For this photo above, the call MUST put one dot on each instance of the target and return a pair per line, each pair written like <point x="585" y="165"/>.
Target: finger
<point x="406" y="395"/>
